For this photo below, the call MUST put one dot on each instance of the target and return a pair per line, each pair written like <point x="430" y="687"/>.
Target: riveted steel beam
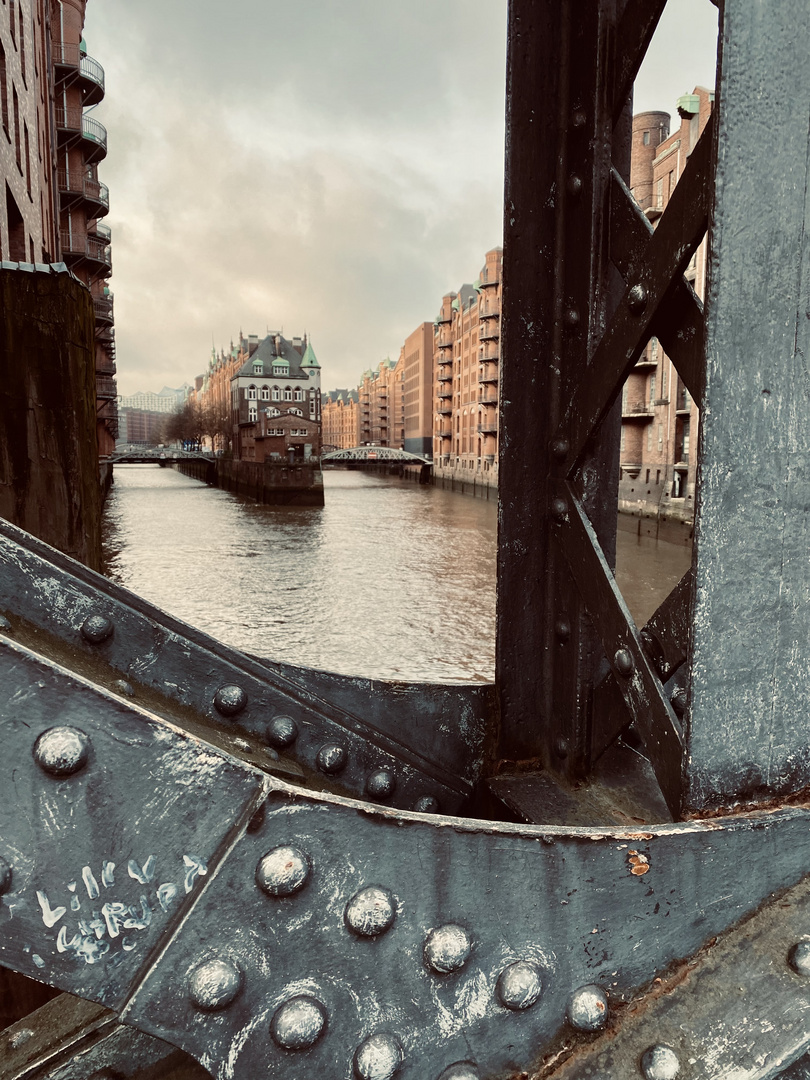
<point x="399" y="743"/>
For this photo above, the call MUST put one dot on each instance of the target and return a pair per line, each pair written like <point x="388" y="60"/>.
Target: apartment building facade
<point x="50" y="148"/>
<point x="417" y="386"/>
<point x="340" y="420"/>
<point x="466" y="340"/>
<point x="659" y="418"/>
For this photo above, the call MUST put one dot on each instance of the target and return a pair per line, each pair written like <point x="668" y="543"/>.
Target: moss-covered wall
<point x="49" y="479"/>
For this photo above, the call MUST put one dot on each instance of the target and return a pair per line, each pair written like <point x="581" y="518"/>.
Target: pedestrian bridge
<point x="374" y="453"/>
<point x="157" y="457"/>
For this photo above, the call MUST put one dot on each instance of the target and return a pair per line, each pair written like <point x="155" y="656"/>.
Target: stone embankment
<point x="276" y="483"/>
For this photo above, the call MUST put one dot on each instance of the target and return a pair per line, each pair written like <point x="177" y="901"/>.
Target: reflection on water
<point x="387" y="580"/>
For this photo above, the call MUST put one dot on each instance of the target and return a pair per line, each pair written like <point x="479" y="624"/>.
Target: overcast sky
<point x="315" y="166"/>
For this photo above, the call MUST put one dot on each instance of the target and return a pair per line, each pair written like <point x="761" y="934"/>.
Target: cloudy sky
<point x="308" y="165"/>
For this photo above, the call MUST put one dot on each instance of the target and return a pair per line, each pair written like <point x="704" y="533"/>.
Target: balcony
<point x="73" y="67"/>
<point x="489" y="279"/>
<point x="487" y="375"/>
<point x="487" y="399"/>
<point x="94" y="250"/>
<point x="489" y="427"/>
<point x="445" y="392"/>
<point x="75" y="189"/>
<point x="443" y="359"/>
<point x="489" y="333"/>
<point x="443" y="377"/>
<point x="646" y="361"/>
<point x="105" y="366"/>
<point x="489" y="312"/>
<point x="445" y="409"/>
<point x="445" y="433"/>
<point x="72" y="124"/>
<point x="106" y="389"/>
<point x="637" y="410"/>
<point x="444" y="342"/>
<point x="490" y="354"/>
<point x="103" y="307"/>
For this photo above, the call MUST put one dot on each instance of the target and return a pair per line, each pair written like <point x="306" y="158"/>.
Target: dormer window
<point x="257" y="367"/>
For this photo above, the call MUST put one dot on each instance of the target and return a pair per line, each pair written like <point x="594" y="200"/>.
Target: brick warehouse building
<point x="659" y="418"/>
<point x="50" y="148"/>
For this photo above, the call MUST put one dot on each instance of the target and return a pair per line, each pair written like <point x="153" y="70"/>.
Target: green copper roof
<point x="310" y="359"/>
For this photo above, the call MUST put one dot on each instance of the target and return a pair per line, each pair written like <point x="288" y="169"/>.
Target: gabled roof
<point x="273" y="349"/>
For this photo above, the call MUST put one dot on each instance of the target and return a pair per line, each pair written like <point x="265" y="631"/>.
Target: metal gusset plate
<point x="354" y="943"/>
<point x="740" y="1008"/>
<point x="110" y="821"/>
<point x="404" y="745"/>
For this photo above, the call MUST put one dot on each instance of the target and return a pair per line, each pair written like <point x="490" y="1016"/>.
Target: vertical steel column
<point x="561" y="110"/>
<point x="747" y="721"/>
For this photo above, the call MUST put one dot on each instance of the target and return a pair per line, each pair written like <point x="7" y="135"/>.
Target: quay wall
<point x="49" y="468"/>
<point x="276" y="483"/>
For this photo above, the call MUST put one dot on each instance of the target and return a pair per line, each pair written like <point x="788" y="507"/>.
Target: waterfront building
<point x="165" y="401"/>
<point x="50" y="148"/>
<point x="281" y="380"/>
<point x="340" y="419"/>
<point x="417" y="380"/>
<point x="659" y="418"/>
<point x="380" y="404"/>
<point x="141" y="427"/>
<point x="466" y="342"/>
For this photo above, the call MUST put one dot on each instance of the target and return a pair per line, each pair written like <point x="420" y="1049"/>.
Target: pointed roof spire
<point x="310" y="359"/>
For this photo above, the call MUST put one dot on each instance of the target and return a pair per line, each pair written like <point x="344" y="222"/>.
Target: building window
<point x="276" y="394"/>
<point x="17" y="140"/>
<point x="645" y="138"/>
<point x="257" y="368"/>
<point x="652" y="388"/>
<point x="299" y="395"/>
<point x="265" y="393"/>
<point x="251" y="393"/>
<point x="287" y="394"/>
<point x="252" y="414"/>
<point x="621" y="446"/>
<point x="281" y="369"/>
<point x="660" y="437"/>
<point x="649" y="438"/>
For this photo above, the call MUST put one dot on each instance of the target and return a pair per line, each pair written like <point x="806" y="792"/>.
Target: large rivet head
<point x="426" y="804"/>
<point x="588" y="1008"/>
<point x="332" y="758"/>
<point x="520" y="985"/>
<point x="282" y="732"/>
<point x="660" y="1063"/>
<point x="61" y="751"/>
<point x="380" y="784"/>
<point x="560" y="448"/>
<point x="96" y="628"/>
<point x="462" y="1070"/>
<point x="574" y="185"/>
<point x="637" y="299"/>
<point x="283" y="871"/>
<point x="571" y="318"/>
<point x="5" y="876"/>
<point x="799" y="957"/>
<point x="230" y="700"/>
<point x="447" y="948"/>
<point x="559" y="509"/>
<point x="623" y="660"/>
<point x="298" y="1023"/>
<point x="214" y="985"/>
<point x="371" y="911"/>
<point x="378" y="1057"/>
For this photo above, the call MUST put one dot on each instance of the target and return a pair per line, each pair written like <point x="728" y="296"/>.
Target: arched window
<point x="251" y="393"/>
<point x="276" y="394"/>
<point x="299" y="395"/>
<point x="287" y="393"/>
<point x="265" y="393"/>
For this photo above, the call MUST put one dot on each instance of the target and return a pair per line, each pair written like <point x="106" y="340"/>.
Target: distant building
<point x="140" y="427"/>
<point x="165" y="401"/>
<point x="340" y="420"/>
<point x="276" y="401"/>
<point x="466" y="342"/>
<point x="417" y="379"/>
<point x="659" y="418"/>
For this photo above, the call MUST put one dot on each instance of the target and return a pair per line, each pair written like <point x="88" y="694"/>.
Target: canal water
<point x="387" y="580"/>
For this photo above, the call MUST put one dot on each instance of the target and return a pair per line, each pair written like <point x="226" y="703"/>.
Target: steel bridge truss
<point x="286" y="873"/>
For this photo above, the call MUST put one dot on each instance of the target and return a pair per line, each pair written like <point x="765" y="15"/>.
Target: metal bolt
<point x="678" y="701"/>
<point x="214" y="985"/>
<point x="660" y="1063"/>
<point x="520" y="985"/>
<point x="283" y="871"/>
<point x="332" y="758"/>
<point x="625" y="665"/>
<point x="298" y="1023"/>
<point x="282" y="732"/>
<point x="578" y="119"/>
<point x="378" y="1057"/>
<point x="637" y="299"/>
<point x="426" y="804"/>
<point x="447" y="948"/>
<point x="123" y="687"/>
<point x="560" y="448"/>
<point x="96" y="628"/>
<point x="462" y="1070"/>
<point x="230" y="700"/>
<point x="574" y="185"/>
<point x="5" y="876"/>
<point x="380" y="784"/>
<point x="61" y="751"/>
<point x="588" y="1008"/>
<point x="559" y="509"/>
<point x="799" y="957"/>
<point x="571" y="318"/>
<point x="5" y="625"/>
<point x="562" y="628"/>
<point x="371" y="911"/>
